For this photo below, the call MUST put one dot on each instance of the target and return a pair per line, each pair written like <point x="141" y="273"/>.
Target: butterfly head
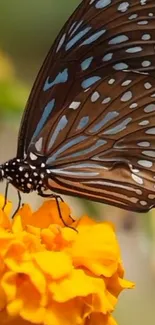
<point x="21" y="175"/>
<point x="1" y="173"/>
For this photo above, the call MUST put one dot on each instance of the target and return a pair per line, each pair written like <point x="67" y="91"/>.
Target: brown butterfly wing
<point x="106" y="149"/>
<point x="99" y="38"/>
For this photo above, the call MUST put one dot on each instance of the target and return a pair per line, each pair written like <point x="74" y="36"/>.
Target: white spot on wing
<point x="143" y="144"/>
<point x="74" y="105"/>
<point x="151" y="196"/>
<point x="123" y="6"/>
<point x="126" y="96"/>
<point x="146" y="37"/>
<point x="150" y="131"/>
<point x="126" y="83"/>
<point x="111" y="81"/>
<point x="134" y="49"/>
<point x="149" y="153"/>
<point x="147" y="85"/>
<point x="143" y="203"/>
<point x="133" y="105"/>
<point x="95" y="96"/>
<point x="149" y="108"/>
<point x="134" y="16"/>
<point x="106" y="100"/>
<point x="143" y="123"/>
<point x="145" y="163"/>
<point x="146" y="64"/>
<point x="137" y="179"/>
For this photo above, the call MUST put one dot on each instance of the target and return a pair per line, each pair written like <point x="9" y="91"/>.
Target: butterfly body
<point x="24" y="177"/>
<point x="88" y="129"/>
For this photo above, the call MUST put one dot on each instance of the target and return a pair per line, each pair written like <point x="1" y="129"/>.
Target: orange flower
<point x="52" y="274"/>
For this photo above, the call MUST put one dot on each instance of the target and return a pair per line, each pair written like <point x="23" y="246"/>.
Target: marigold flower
<point x="53" y="275"/>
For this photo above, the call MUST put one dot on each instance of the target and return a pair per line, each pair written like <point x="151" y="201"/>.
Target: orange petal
<point x="8" y="283"/>
<point x="33" y="314"/>
<point x="17" y="224"/>
<point x="69" y="313"/>
<point x="5" y="319"/>
<point x="96" y="248"/>
<point x="6" y="239"/>
<point x="3" y="299"/>
<point x="5" y="222"/>
<point x="48" y="214"/>
<point x="83" y="221"/>
<point x="26" y="213"/>
<point x="60" y="263"/>
<point x="78" y="284"/>
<point x="28" y="268"/>
<point x="100" y="319"/>
<point x="8" y="206"/>
<point x="14" y="307"/>
<point x="33" y="230"/>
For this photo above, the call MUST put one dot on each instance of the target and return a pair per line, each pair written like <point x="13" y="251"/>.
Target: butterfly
<point x="88" y="129"/>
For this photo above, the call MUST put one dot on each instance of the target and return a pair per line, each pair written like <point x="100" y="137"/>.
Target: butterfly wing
<point x="103" y="146"/>
<point x="101" y="37"/>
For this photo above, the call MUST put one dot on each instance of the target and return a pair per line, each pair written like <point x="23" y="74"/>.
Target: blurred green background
<point x="27" y="30"/>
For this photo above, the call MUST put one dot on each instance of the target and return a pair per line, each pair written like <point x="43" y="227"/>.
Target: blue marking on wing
<point x="72" y="31"/>
<point x="78" y="173"/>
<point x="46" y="113"/>
<point x="98" y="144"/>
<point x="108" y="117"/>
<point x="72" y="26"/>
<point x="77" y="37"/>
<point x="76" y="170"/>
<point x="102" y="4"/>
<point x="61" y="125"/>
<point x="65" y="147"/>
<point x="118" y="128"/>
<point x="93" y="37"/>
<point x="90" y="81"/>
<point x="83" y="122"/>
<point x="61" y="42"/>
<point x="62" y="77"/>
<point x="86" y="63"/>
<point x="118" y="39"/>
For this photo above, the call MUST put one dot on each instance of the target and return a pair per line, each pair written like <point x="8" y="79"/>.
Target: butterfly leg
<point x="5" y="199"/>
<point x="6" y="195"/>
<point x="19" y="204"/>
<point x="57" y="198"/>
<point x="51" y="196"/>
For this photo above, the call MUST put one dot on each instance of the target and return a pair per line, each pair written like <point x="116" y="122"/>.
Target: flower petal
<point x="99" y="319"/>
<point x="8" y="205"/>
<point x="68" y="313"/>
<point x="99" y="255"/>
<point x="5" y="222"/>
<point x="48" y="213"/>
<point x="52" y="274"/>
<point x="60" y="263"/>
